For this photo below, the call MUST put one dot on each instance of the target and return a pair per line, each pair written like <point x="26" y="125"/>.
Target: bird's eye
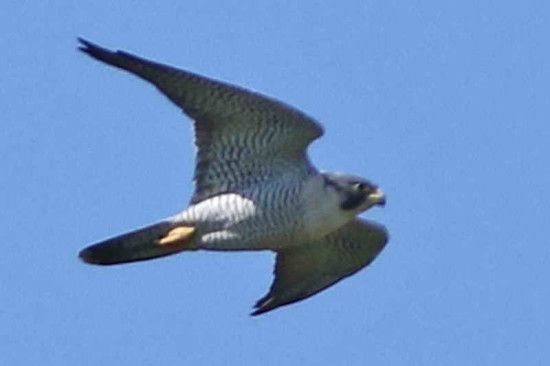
<point x="359" y="187"/>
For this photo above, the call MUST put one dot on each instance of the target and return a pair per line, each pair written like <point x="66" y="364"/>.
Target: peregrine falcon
<point x="255" y="189"/>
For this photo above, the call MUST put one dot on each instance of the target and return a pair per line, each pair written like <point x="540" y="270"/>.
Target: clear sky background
<point x="445" y="105"/>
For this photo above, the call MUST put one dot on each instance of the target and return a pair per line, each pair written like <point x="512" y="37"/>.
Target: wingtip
<point x="84" y="45"/>
<point x="82" y="40"/>
<point x="92" y="49"/>
<point x="259" y="310"/>
<point x="256" y="312"/>
<point x="263" y="305"/>
<point x="120" y="59"/>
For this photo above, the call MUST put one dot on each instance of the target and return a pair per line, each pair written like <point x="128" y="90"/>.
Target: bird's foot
<point x="177" y="236"/>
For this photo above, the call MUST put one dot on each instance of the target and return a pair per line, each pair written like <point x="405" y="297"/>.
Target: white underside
<point x="234" y="222"/>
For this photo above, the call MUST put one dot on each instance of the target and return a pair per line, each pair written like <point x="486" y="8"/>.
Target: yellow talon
<point x="177" y="234"/>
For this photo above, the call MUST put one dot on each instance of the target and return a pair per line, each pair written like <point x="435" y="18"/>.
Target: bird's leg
<point x="177" y="235"/>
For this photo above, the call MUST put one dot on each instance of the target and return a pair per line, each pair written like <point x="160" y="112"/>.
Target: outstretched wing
<point x="242" y="137"/>
<point x="304" y="270"/>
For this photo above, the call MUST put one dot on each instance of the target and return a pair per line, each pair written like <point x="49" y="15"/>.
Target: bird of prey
<point x="255" y="189"/>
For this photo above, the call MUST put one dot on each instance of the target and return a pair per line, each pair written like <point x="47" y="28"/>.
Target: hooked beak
<point x="377" y="197"/>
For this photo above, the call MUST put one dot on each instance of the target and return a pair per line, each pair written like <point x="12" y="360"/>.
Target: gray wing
<point x="242" y="137"/>
<point x="305" y="270"/>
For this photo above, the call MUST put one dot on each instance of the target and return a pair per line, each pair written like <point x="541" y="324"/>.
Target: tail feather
<point x="142" y="244"/>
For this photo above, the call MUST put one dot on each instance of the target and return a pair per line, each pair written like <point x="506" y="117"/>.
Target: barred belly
<point x="265" y="217"/>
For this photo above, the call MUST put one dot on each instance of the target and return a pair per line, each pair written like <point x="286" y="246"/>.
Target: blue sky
<point x="445" y="106"/>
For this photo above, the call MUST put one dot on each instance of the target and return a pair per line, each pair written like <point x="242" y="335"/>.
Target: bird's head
<point x="356" y="194"/>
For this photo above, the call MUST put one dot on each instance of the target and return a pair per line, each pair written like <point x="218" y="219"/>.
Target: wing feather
<point x="304" y="270"/>
<point x="242" y="137"/>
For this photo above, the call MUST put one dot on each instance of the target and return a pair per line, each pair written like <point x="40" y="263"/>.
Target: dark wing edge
<point x="305" y="270"/>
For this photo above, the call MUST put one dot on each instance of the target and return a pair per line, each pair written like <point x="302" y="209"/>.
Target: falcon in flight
<point x="255" y="189"/>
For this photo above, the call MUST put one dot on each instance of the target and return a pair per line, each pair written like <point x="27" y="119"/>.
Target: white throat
<point x="322" y="215"/>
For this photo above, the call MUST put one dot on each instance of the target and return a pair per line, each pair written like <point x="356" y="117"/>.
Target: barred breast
<point x="267" y="216"/>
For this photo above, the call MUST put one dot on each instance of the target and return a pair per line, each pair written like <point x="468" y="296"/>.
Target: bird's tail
<point x="161" y="239"/>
